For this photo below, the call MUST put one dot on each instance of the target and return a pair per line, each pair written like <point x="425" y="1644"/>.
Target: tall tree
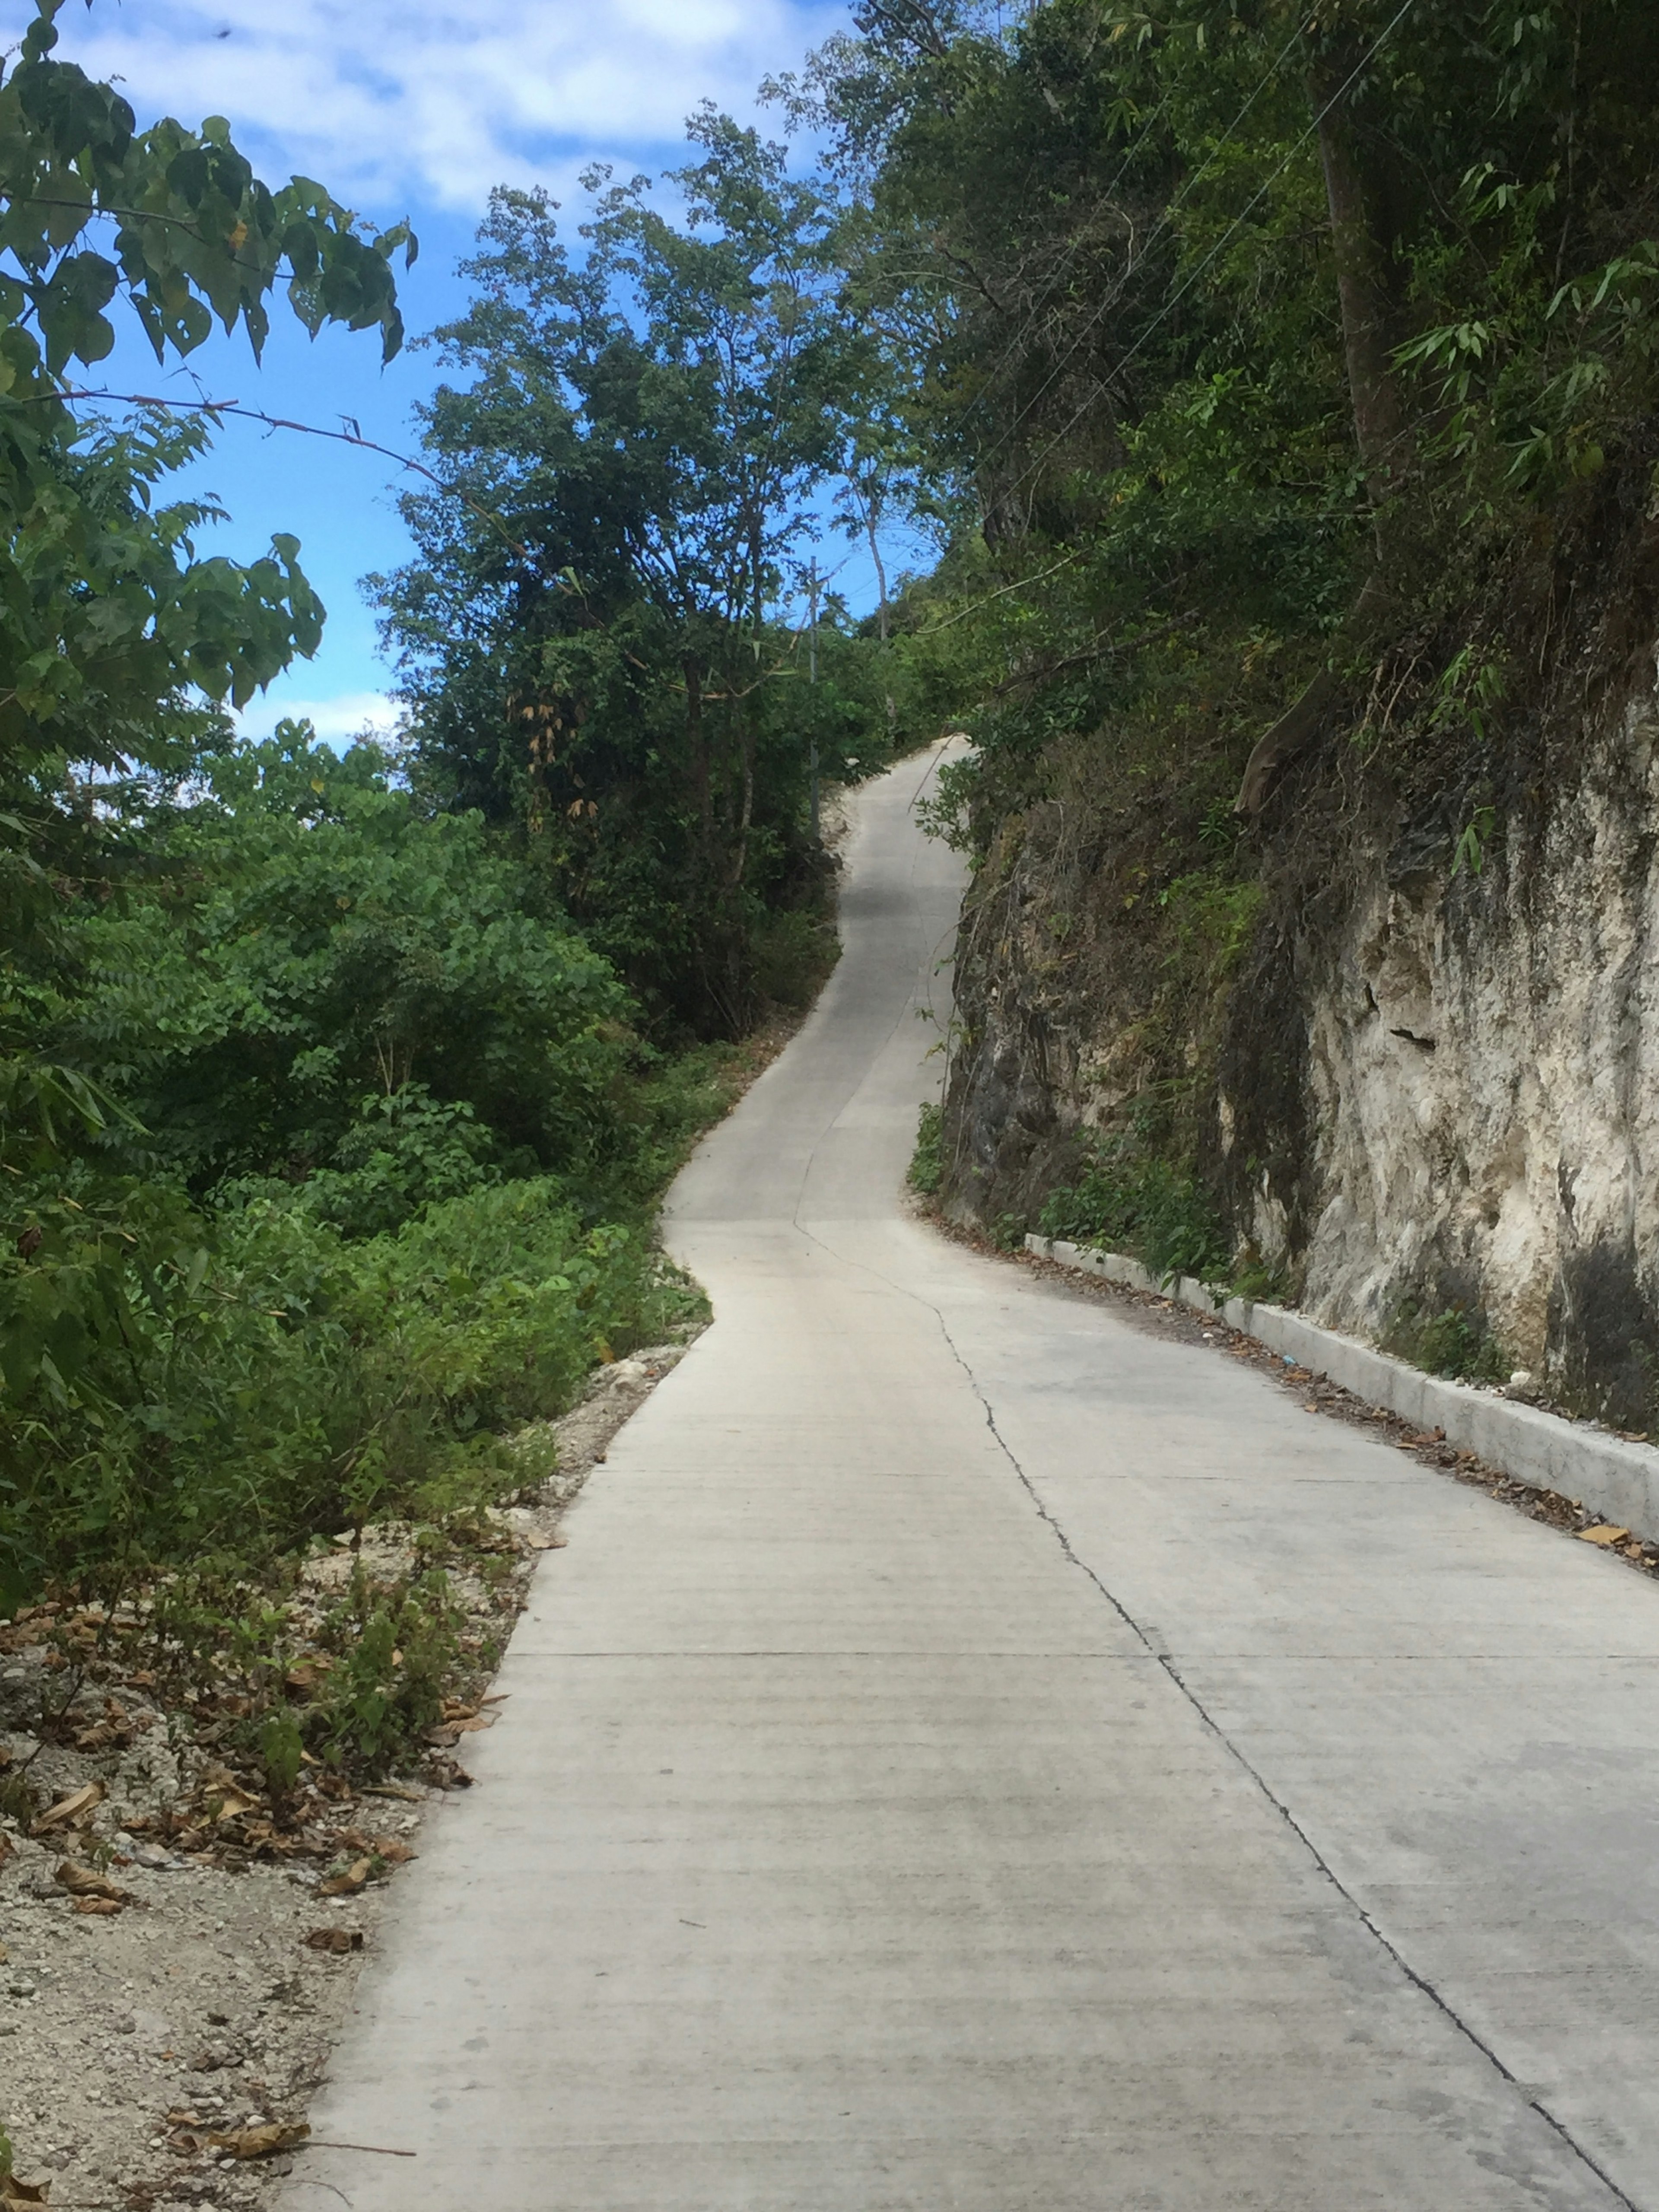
<point x="647" y="424"/>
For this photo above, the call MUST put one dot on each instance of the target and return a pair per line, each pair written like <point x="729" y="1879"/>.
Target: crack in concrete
<point x="1167" y="1662"/>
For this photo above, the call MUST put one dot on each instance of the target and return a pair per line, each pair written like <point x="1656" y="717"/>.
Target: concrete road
<point x="977" y="1756"/>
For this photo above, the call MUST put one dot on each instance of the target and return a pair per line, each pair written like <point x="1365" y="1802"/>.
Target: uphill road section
<point x="975" y="1753"/>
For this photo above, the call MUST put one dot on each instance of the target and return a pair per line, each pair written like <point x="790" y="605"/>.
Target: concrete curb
<point x="1619" y="1479"/>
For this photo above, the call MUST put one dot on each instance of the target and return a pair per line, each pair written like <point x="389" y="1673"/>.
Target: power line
<point x="1073" y="246"/>
<point x="1174" y="302"/>
<point x="1112" y="297"/>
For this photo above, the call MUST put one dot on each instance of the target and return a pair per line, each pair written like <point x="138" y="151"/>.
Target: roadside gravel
<point x="173" y="1968"/>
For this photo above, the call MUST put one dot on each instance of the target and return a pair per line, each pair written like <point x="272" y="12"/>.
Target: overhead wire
<point x="1174" y="302"/>
<point x="1072" y="247"/>
<point x="1112" y="296"/>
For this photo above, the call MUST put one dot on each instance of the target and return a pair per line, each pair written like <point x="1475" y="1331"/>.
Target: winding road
<point x="978" y="1755"/>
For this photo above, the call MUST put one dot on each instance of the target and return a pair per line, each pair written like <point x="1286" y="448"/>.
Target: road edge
<point x="1619" y="1478"/>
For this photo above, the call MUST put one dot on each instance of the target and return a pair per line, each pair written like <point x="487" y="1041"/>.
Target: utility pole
<point x="812" y="678"/>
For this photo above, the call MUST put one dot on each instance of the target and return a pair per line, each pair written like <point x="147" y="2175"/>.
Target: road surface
<point x="977" y="1756"/>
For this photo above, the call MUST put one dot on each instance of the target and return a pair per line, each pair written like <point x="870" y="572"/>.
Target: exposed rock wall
<point x="1418" y="1082"/>
<point x="1482" y="1079"/>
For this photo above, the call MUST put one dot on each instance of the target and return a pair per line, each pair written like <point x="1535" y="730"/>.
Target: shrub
<point x="926" y="1170"/>
<point x="1144" y="1206"/>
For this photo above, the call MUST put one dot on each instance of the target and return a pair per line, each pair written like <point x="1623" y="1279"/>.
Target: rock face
<point x="1481" y="1074"/>
<point x="1429" y="1084"/>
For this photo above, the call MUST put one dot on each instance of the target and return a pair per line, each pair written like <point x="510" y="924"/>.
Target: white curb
<point x="1619" y="1479"/>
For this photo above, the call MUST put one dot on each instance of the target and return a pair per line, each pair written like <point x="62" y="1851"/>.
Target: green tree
<point x="110" y="623"/>
<point x="607" y="667"/>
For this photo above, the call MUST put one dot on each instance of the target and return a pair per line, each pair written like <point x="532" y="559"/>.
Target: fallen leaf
<point x="7" y="1847"/>
<point x="261" y="2142"/>
<point x="1604" y="1532"/>
<point x="547" y="1543"/>
<point x="339" y="1941"/>
<point x="347" y="1884"/>
<point x="309" y="1673"/>
<point x="13" y="2191"/>
<point x="82" y="1882"/>
<point x="99" y="1908"/>
<point x="70" y="1809"/>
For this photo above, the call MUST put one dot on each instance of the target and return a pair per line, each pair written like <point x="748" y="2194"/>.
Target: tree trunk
<point x="1361" y="247"/>
<point x="881" y="572"/>
<point x="1363" y="251"/>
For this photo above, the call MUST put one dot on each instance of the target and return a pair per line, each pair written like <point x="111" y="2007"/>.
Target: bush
<point x="176" y="1385"/>
<point x="794" y="953"/>
<point x="1144" y="1206"/>
<point x="926" y="1170"/>
<point x="404" y="1149"/>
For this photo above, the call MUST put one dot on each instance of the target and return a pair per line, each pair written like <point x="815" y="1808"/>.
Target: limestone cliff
<point x="1424" y="1072"/>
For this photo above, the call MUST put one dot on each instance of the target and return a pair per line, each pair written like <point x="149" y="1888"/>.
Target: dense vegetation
<point x="1293" y="372"/>
<point x="336" y="1093"/>
<point x="1244" y="363"/>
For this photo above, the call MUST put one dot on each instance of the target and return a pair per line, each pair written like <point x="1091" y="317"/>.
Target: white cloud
<point x="414" y="100"/>
<point x="335" y="720"/>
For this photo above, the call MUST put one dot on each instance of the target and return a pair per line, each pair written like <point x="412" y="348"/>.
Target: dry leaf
<point x="99" y="1908"/>
<point x="15" y="2192"/>
<point x="547" y="1543"/>
<point x="70" y="1809"/>
<point x="261" y="2142"/>
<point x="82" y="1883"/>
<point x="339" y="1941"/>
<point x="347" y="1884"/>
<point x="1604" y="1532"/>
<point x="7" y="1847"/>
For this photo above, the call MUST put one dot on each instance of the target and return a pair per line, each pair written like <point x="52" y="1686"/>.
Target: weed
<point x="1141" y="1205"/>
<point x="18" y="1802"/>
<point x="1453" y="1342"/>
<point x="281" y="1754"/>
<point x="926" y="1170"/>
<point x="399" y="1642"/>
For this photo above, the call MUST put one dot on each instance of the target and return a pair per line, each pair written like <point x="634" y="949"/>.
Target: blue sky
<point x="411" y="107"/>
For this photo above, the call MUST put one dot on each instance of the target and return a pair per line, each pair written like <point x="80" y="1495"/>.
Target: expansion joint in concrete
<point x="1168" y="1663"/>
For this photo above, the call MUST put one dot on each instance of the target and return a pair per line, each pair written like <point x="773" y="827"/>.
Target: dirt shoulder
<point x="178" y="1953"/>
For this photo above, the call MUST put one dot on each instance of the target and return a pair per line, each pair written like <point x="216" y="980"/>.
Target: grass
<point x="1136" y="1203"/>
